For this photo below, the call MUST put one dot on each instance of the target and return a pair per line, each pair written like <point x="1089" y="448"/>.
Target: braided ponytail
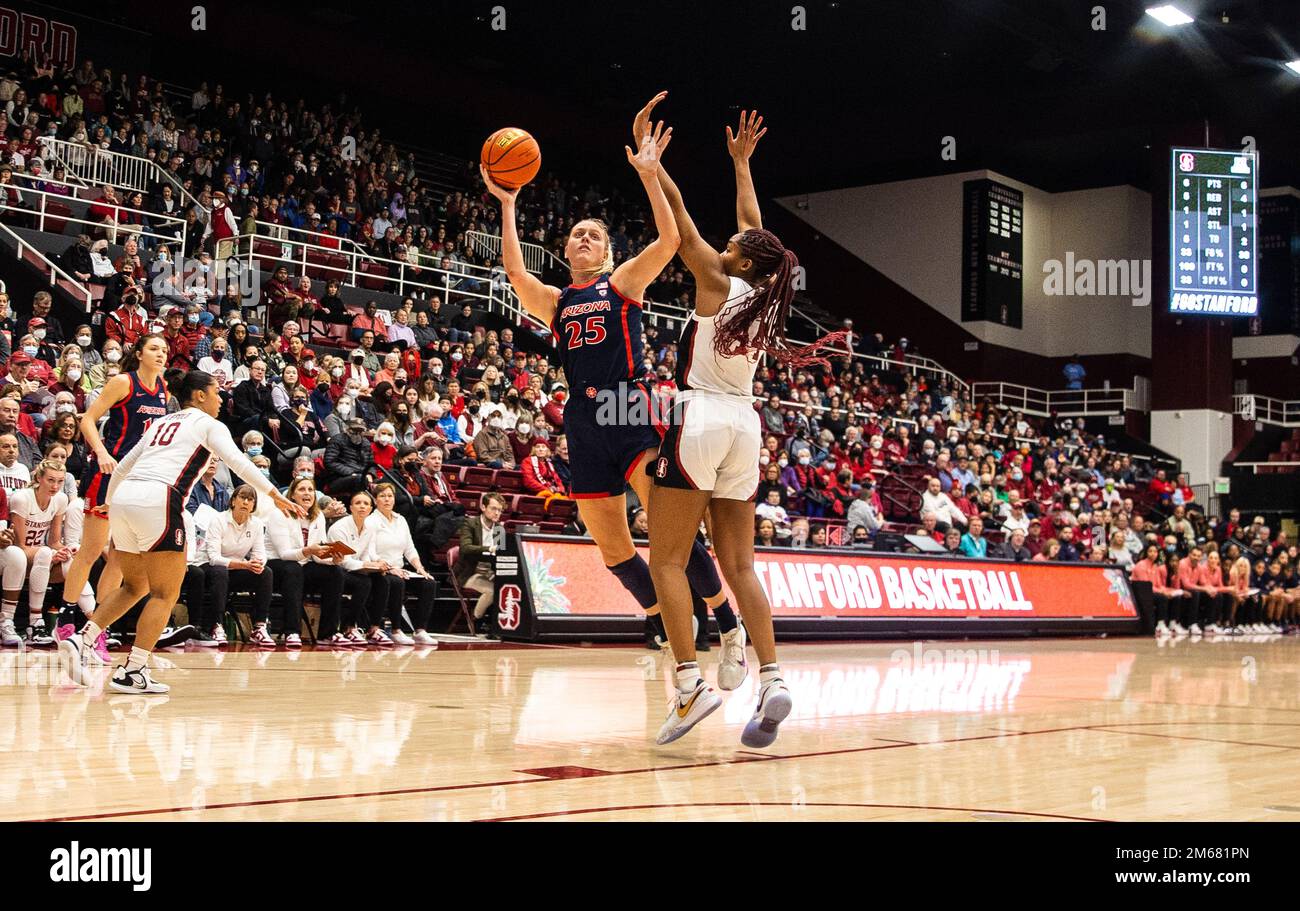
<point x="758" y="324"/>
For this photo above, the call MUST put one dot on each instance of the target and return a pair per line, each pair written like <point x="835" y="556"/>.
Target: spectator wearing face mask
<point x="218" y="364"/>
<point x="522" y="440"/>
<point x="492" y="445"/>
<point x="349" y="460"/>
<point x="356" y="369"/>
<point x="383" y="450"/>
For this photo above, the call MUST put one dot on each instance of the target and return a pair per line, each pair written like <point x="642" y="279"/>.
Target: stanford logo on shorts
<point x="508" y="607"/>
<point x="661" y="468"/>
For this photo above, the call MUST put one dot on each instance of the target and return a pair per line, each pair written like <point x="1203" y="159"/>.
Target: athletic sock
<point x="8" y="609"/>
<point x="688" y="677"/>
<point x="768" y="673"/>
<point x="89" y="633"/>
<point x="139" y="659"/>
<point x="725" y="616"/>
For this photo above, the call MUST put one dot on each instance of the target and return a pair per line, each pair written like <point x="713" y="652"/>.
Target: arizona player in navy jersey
<point x="608" y="420"/>
<point x="132" y="400"/>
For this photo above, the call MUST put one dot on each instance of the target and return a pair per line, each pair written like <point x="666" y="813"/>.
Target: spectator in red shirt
<point x="1162" y="488"/>
<point x="369" y="320"/>
<point x="540" y="477"/>
<point x="107" y="210"/>
<point x="179" y="348"/>
<point x="553" y="410"/>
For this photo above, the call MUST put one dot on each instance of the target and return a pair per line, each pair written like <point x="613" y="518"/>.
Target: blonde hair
<point x="45" y="466"/>
<point x="607" y="264"/>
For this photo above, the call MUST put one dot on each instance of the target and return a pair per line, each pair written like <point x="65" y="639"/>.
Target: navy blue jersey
<point x="598" y="333"/>
<point x="129" y="418"/>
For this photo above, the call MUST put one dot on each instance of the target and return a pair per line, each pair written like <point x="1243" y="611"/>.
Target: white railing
<point x="77" y="289"/>
<point x="36" y="206"/>
<point x="278" y="232"/>
<point x="407" y="280"/>
<point x="1062" y="402"/>
<point x="536" y="257"/>
<point x="1267" y="410"/>
<point x="101" y="166"/>
<point x="1256" y="466"/>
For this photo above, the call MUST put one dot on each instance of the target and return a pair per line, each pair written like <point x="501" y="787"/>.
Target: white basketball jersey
<point x="176" y="449"/>
<point x="15" y="477"/>
<point x="700" y="367"/>
<point x="23" y="503"/>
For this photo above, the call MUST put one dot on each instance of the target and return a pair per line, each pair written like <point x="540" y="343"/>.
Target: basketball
<point x="512" y="157"/>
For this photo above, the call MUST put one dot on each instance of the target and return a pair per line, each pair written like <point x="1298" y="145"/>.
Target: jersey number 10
<point x="166" y="434"/>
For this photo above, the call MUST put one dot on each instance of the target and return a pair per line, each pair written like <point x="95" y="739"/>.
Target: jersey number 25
<point x="592" y="332"/>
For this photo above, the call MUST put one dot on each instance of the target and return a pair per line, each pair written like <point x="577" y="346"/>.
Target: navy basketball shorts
<point x="608" y="428"/>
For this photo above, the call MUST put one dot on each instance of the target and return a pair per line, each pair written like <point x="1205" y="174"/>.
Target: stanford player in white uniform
<point x="708" y="462"/>
<point x="148" y="492"/>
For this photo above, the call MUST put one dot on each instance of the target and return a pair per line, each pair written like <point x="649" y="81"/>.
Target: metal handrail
<point x="56" y="272"/>
<point x="100" y="166"/>
<point x="350" y="273"/>
<point x="1267" y="410"/>
<point x="535" y="255"/>
<point x="1064" y="402"/>
<point x="43" y="213"/>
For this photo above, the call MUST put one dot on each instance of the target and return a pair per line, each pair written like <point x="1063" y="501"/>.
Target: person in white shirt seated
<point x="300" y="559"/>
<point x="772" y="509"/>
<point x="236" y="553"/>
<point x="194" y="589"/>
<point x="393" y="543"/>
<point x="219" y="364"/>
<point x="370" y="573"/>
<point x="37" y="514"/>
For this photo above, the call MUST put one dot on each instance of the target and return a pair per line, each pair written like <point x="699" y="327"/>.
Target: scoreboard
<point x="1213" y="233"/>
<point x="992" y="247"/>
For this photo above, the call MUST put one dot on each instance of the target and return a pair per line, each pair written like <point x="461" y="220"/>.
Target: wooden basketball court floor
<point x="1080" y="729"/>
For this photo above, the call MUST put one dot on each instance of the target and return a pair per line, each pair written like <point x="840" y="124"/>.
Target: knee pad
<point x="14" y="563"/>
<point x="701" y="572"/>
<point x="634" y="575"/>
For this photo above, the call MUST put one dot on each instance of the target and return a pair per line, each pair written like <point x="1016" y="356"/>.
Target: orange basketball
<point x="512" y="157"/>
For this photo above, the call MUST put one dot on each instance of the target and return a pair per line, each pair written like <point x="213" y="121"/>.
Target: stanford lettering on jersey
<point x="587" y="307"/>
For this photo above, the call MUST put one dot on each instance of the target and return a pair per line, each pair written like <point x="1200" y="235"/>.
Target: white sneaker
<point x="293" y="640"/>
<point x="137" y="681"/>
<point x="1194" y="629"/>
<point x="684" y="712"/>
<point x="338" y="640"/>
<point x="356" y="637"/>
<point x="422" y="637"/>
<point x="380" y="638"/>
<point x="774" y="705"/>
<point x="76" y="659"/>
<point x="1178" y="628"/>
<point x="219" y="635"/>
<point x="1162" y="629"/>
<point x="733" y="669"/>
<point x="8" y="635"/>
<point x="1212" y="629"/>
<point x="401" y="638"/>
<point x="261" y="638"/>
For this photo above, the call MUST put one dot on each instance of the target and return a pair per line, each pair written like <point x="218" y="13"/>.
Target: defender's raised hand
<point x="641" y="123"/>
<point x="748" y="132"/>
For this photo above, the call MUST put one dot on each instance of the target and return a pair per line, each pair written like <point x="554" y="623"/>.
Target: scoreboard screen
<point x="992" y="247"/>
<point x="1213" y="232"/>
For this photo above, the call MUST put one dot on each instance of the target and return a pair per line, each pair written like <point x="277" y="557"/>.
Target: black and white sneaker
<point x="76" y="659"/>
<point x="136" y="682"/>
<point x="173" y="636"/>
<point x="37" y="637"/>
